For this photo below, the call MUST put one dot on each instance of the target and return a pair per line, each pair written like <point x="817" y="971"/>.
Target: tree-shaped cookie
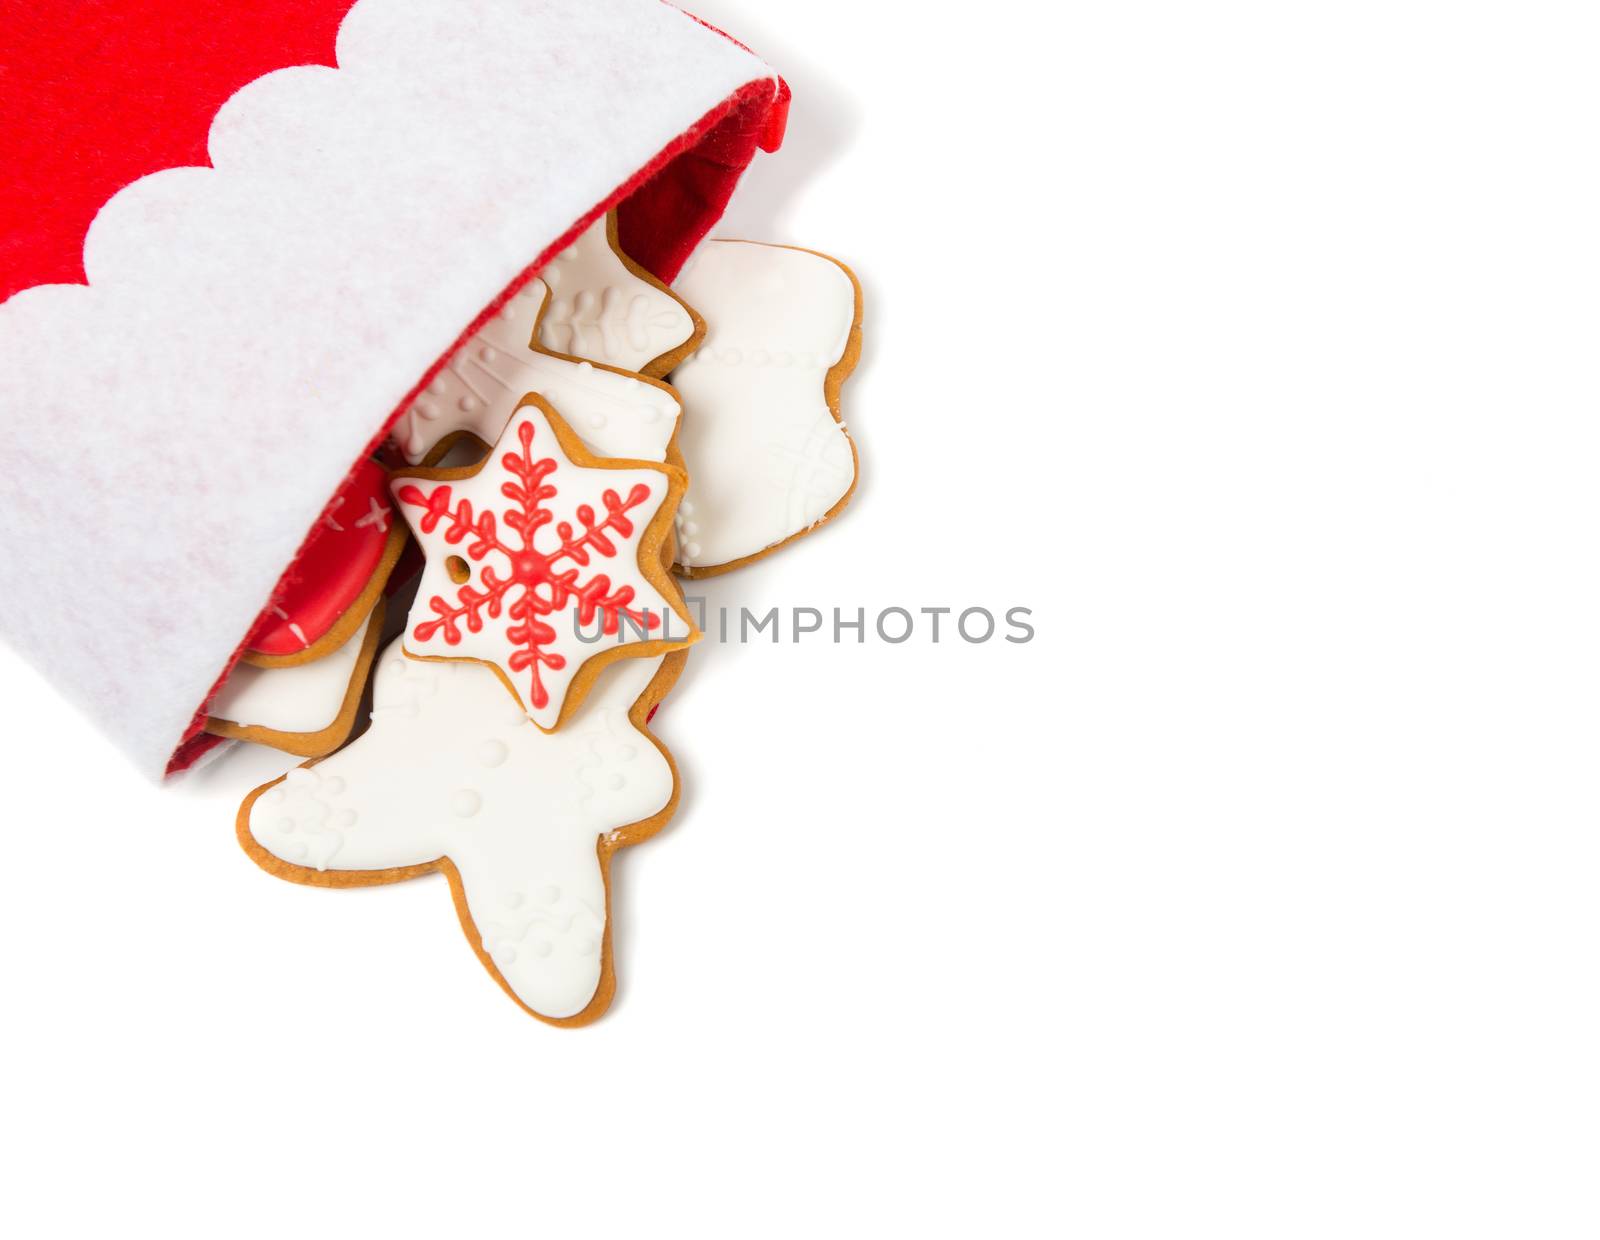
<point x="451" y="776"/>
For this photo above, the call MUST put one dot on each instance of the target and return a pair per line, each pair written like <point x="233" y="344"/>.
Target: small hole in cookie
<point x="458" y="570"/>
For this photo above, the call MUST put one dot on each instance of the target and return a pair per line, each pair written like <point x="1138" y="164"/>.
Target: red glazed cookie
<point x="331" y="589"/>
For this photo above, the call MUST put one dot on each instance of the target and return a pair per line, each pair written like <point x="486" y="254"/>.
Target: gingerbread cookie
<point x="537" y="548"/>
<point x="452" y="776"/>
<point x="616" y="413"/>
<point x="768" y="454"/>
<point x="337" y="579"/>
<point x="307" y="709"/>
<point x="607" y="308"/>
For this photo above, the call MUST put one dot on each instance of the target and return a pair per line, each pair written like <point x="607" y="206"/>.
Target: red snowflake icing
<point x="548" y="583"/>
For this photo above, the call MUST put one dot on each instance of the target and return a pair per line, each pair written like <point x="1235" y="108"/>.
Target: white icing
<point x="305" y="697"/>
<point x="481" y="384"/>
<point x="601" y="310"/>
<point x="766" y="457"/>
<point x="573" y="487"/>
<point x="450" y="768"/>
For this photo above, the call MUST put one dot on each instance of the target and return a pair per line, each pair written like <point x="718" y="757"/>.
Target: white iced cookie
<point x="452" y="776"/>
<point x="306" y="709"/>
<point x="476" y="392"/>
<point x="607" y="308"/>
<point x="767" y="455"/>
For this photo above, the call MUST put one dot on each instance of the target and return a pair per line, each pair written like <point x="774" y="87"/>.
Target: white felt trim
<point x="175" y="427"/>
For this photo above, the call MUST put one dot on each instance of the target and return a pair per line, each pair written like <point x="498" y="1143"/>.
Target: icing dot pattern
<point x="481" y="384"/>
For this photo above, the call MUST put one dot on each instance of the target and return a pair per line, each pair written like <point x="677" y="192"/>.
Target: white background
<point x="1253" y="347"/>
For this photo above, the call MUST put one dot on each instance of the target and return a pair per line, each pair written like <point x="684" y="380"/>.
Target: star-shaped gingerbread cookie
<point x="544" y="562"/>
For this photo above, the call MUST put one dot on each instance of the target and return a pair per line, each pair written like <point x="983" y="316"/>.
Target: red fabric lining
<point x="192" y="750"/>
<point x="695" y="184"/>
